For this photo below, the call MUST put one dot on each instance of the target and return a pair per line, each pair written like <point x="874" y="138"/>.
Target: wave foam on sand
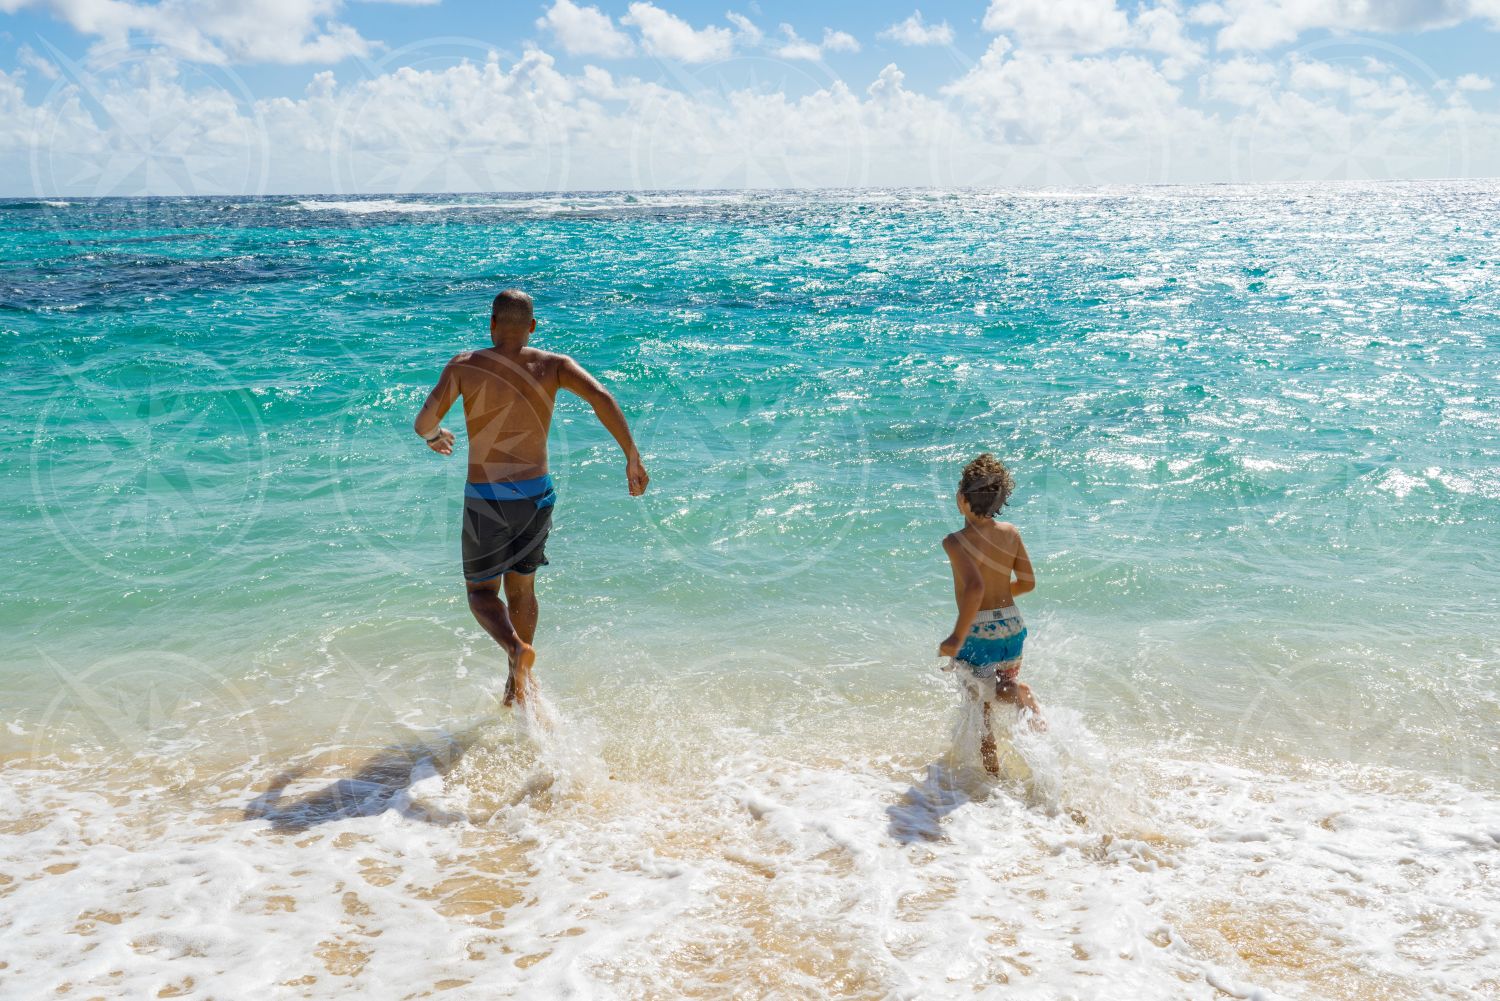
<point x="553" y="856"/>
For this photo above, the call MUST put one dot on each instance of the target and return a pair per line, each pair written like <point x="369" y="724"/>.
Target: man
<point x="508" y="392"/>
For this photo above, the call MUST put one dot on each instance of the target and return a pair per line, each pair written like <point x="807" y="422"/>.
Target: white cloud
<point x="797" y="47"/>
<point x="839" y="41"/>
<point x="1207" y="13"/>
<point x="17" y="120"/>
<point x="1313" y="119"/>
<point x="1061" y="25"/>
<point x="1019" y="116"/>
<point x="1040" y="97"/>
<point x="915" y="31"/>
<point x="1088" y="26"/>
<point x="670" y="37"/>
<point x="29" y="58"/>
<point x="1263" y="24"/>
<point x="585" y="31"/>
<point x="745" y="29"/>
<point x="272" y="31"/>
<point x="1245" y="82"/>
<point x="1161" y="30"/>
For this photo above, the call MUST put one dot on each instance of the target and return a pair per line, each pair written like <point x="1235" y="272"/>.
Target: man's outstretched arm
<point x="430" y="418"/>
<point x="575" y="379"/>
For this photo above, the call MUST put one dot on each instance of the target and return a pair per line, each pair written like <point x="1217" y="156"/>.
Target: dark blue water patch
<point x="128" y="240"/>
<point x="120" y="282"/>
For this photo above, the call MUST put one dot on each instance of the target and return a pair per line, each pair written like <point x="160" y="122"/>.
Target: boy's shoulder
<point x="1009" y="532"/>
<point x="953" y="543"/>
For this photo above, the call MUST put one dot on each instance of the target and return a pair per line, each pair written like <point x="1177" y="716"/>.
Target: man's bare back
<point x="508" y="401"/>
<point x="509" y="391"/>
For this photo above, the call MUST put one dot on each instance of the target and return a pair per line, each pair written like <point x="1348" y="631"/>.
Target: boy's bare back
<point x="996" y="550"/>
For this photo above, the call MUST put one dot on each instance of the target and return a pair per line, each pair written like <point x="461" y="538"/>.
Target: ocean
<point x="250" y="737"/>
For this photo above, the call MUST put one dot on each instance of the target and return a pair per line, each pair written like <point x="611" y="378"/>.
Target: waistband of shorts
<point x="537" y="486"/>
<point x="997" y="614"/>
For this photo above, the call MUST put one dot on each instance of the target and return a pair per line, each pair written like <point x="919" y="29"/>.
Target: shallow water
<point x="251" y="735"/>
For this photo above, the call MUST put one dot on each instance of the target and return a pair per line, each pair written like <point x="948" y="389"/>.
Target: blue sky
<point x="201" y="96"/>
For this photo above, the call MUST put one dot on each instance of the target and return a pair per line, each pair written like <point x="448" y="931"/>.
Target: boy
<point x="990" y="568"/>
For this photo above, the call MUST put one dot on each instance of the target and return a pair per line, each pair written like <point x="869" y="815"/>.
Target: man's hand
<point x="443" y="443"/>
<point x="635" y="476"/>
<point x="949" y="647"/>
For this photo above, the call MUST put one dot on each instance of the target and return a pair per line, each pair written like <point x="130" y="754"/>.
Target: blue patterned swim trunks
<point x="993" y="647"/>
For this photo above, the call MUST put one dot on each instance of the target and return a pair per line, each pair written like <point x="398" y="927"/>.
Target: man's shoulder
<point x="550" y="364"/>
<point x="461" y="358"/>
<point x="546" y="357"/>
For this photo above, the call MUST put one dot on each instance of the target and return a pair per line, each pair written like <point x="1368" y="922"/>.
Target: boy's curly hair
<point x="986" y="485"/>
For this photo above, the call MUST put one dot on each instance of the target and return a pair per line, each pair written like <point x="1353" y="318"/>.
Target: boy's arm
<point x="968" y="589"/>
<point x="576" y="380"/>
<point x="1025" y="576"/>
<point x="430" y="418"/>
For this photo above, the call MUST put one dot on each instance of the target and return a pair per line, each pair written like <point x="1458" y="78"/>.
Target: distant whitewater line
<point x="554" y="204"/>
<point x="39" y="203"/>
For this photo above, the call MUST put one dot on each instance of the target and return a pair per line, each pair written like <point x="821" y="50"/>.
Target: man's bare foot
<point x="518" y="683"/>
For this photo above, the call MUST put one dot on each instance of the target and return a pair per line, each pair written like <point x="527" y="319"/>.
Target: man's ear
<point x="532" y="329"/>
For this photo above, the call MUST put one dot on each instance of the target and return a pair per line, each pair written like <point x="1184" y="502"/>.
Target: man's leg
<point x="490" y="612"/>
<point x="520" y="595"/>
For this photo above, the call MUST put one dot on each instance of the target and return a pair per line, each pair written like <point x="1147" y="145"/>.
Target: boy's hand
<point x="635" y="476"/>
<point x="949" y="647"/>
<point x="443" y="443"/>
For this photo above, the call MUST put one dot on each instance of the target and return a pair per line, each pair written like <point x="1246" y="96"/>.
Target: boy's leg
<point x="987" y="743"/>
<point x="520" y="595"/>
<point x="1026" y="700"/>
<point x="1019" y="695"/>
<point x="490" y="612"/>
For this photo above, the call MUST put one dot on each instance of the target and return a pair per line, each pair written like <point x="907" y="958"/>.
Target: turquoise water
<point x="1255" y="434"/>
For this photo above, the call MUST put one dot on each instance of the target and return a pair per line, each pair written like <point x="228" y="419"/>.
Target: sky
<point x="134" y="97"/>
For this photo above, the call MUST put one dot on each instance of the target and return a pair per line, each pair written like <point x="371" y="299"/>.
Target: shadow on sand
<point x="381" y="783"/>
<point x="919" y="815"/>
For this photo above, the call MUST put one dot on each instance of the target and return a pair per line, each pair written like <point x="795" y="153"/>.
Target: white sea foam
<point x="553" y="205"/>
<point x="507" y="861"/>
<point x="371" y="206"/>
